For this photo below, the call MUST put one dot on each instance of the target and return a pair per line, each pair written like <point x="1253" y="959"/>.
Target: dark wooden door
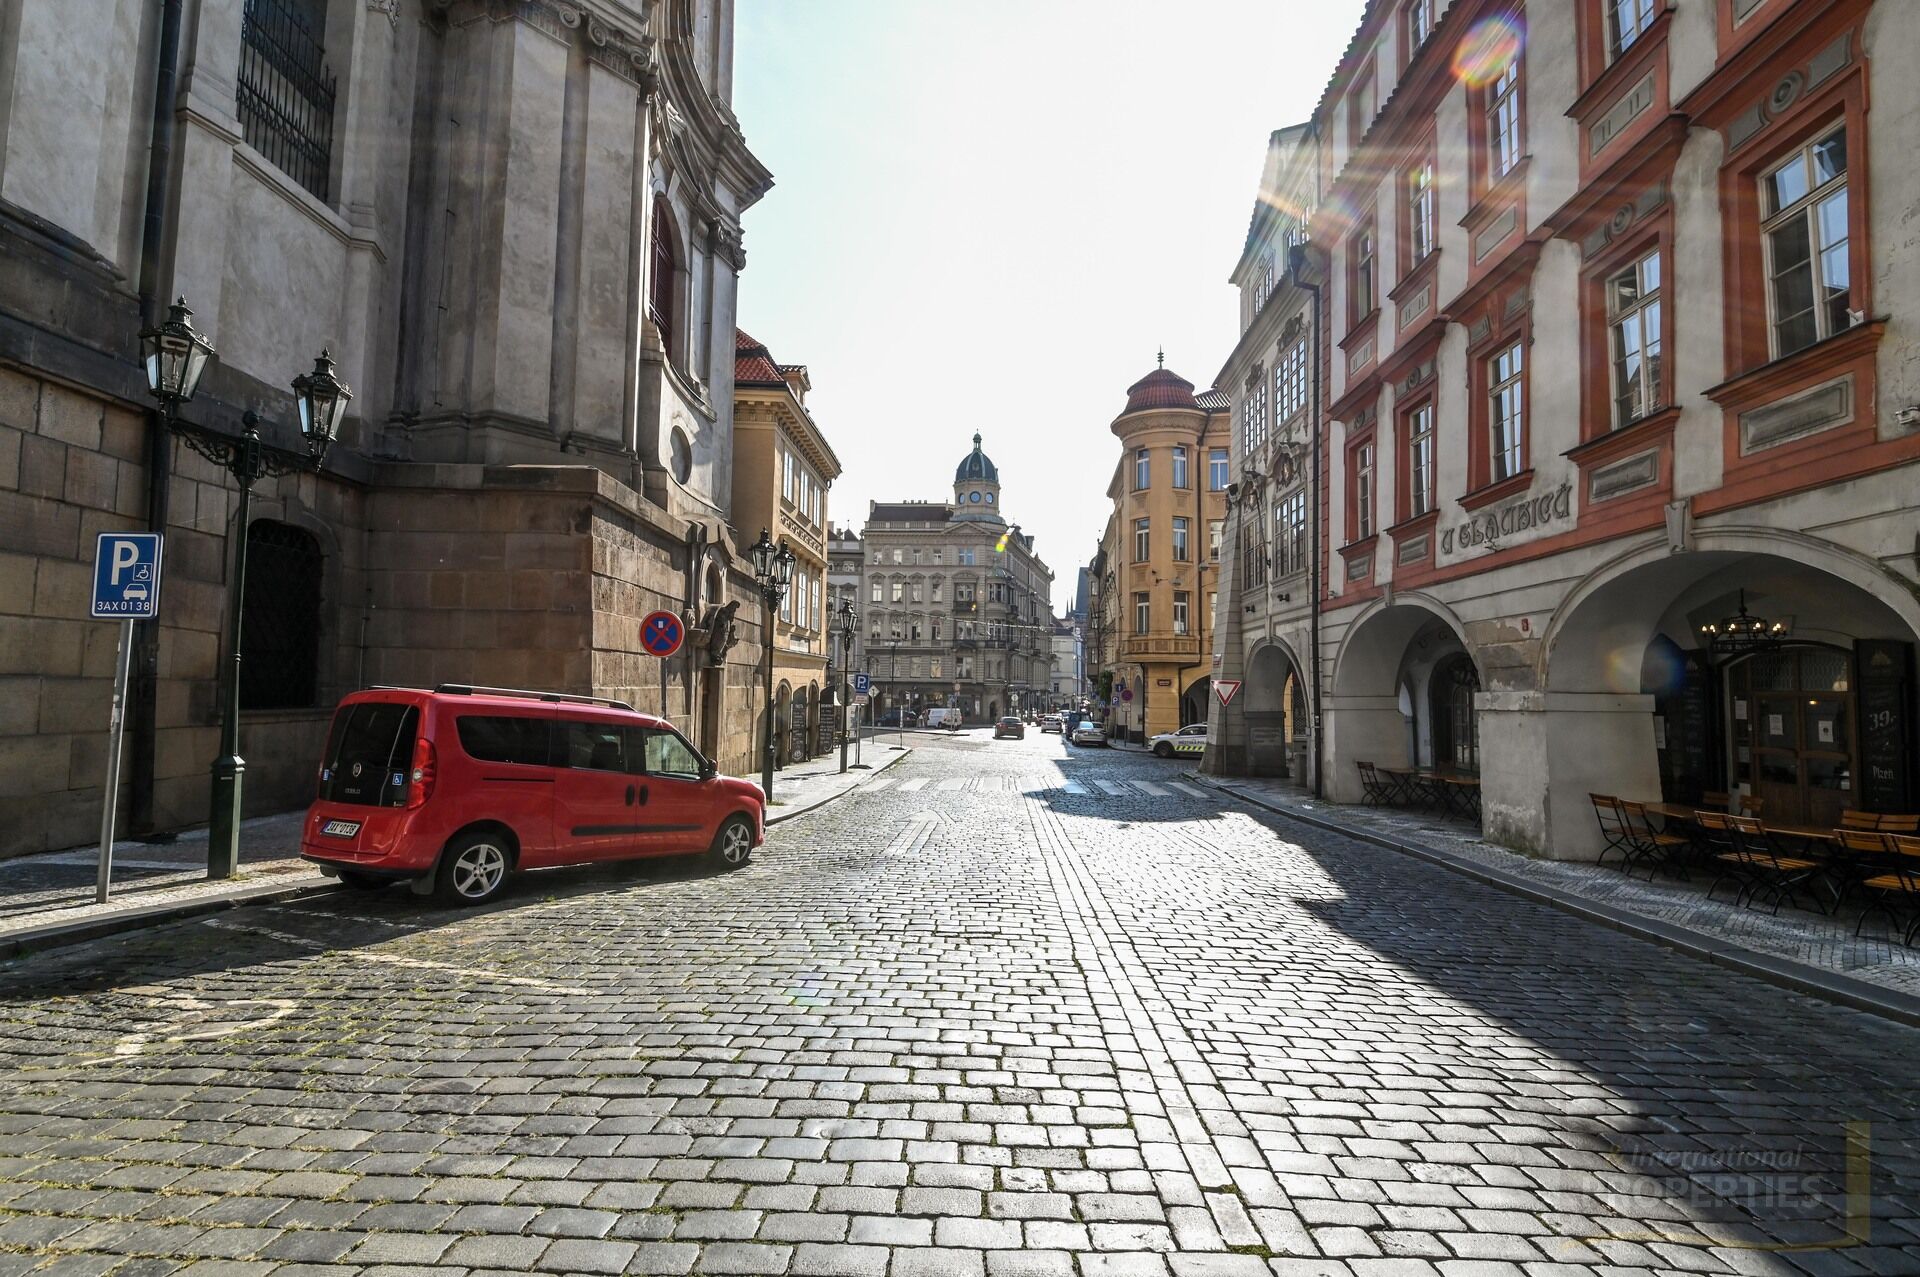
<point x="1793" y="716"/>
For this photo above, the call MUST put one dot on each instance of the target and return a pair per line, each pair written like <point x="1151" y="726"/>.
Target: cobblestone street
<point x="1006" y="1009"/>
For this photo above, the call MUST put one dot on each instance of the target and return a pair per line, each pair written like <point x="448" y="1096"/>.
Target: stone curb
<point x="873" y="769"/>
<point x="15" y="944"/>
<point x="26" y="940"/>
<point x="1786" y="973"/>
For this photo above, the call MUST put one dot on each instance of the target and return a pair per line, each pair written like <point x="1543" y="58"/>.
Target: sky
<point x="991" y="214"/>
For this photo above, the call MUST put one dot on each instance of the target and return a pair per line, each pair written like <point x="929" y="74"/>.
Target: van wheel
<point x="363" y="882"/>
<point x="473" y="869"/>
<point x="733" y="845"/>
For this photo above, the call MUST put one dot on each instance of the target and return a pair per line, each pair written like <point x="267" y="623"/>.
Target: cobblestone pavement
<point x="1876" y="955"/>
<point x="1008" y="1009"/>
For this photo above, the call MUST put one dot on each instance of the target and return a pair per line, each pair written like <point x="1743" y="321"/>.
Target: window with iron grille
<point x="280" y="618"/>
<point x="285" y="92"/>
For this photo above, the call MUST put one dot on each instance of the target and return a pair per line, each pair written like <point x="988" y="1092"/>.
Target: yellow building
<point x="782" y="470"/>
<point x="1169" y="494"/>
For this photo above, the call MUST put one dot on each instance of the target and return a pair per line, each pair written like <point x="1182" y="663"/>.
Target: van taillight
<point x="420" y="777"/>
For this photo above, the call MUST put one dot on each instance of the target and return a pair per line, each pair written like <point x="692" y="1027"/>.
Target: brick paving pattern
<point x="1006" y="1009"/>
<point x="1801" y="934"/>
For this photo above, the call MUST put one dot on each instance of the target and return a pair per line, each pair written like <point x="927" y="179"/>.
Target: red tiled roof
<point x="1160" y="389"/>
<point x="752" y="365"/>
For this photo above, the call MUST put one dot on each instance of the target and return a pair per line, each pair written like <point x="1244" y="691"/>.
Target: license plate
<point x="340" y="828"/>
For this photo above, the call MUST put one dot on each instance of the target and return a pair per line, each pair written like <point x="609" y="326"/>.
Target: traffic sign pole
<point x="126" y="588"/>
<point x="116" y="724"/>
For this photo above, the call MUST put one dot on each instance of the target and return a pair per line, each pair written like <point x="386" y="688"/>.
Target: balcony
<point x="1160" y="647"/>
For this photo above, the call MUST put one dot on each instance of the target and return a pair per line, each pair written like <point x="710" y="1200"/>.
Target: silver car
<point x="1088" y="732"/>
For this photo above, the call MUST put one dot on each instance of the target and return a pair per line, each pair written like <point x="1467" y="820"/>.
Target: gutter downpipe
<point x="144" y="700"/>
<point x="1296" y="258"/>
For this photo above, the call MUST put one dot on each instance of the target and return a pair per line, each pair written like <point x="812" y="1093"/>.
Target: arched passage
<point x="1816" y="718"/>
<point x="1405" y="694"/>
<point x="1194" y="702"/>
<point x="1272" y="689"/>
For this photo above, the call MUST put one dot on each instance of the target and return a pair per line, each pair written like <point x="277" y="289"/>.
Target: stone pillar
<point x="1361" y="729"/>
<point x="1593" y="743"/>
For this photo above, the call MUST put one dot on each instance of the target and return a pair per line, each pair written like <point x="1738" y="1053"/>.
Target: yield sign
<point x="1225" y="689"/>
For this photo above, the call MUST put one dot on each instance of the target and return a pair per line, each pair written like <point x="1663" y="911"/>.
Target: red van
<point x="457" y="788"/>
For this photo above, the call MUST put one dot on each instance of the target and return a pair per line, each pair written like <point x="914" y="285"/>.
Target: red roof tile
<point x="752" y="365"/>
<point x="1160" y="389"/>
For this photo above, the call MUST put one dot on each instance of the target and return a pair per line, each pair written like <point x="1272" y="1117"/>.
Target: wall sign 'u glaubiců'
<point x="1488" y="527"/>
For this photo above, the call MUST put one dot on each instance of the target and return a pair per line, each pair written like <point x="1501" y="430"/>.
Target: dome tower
<point x="976" y="486"/>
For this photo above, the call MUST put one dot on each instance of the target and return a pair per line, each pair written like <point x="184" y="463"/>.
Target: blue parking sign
<point x="862" y="684"/>
<point x="126" y="576"/>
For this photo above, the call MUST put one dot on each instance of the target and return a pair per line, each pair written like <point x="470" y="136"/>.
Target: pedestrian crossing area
<point x="1035" y="784"/>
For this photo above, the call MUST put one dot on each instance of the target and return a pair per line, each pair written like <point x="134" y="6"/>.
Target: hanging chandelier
<point x="1743" y="631"/>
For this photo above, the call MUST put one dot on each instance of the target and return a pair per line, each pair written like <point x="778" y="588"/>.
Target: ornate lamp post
<point x="175" y="355"/>
<point x="844" y="623"/>
<point x="773" y="569"/>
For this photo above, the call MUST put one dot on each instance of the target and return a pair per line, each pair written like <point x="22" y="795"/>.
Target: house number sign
<point x="1522" y="516"/>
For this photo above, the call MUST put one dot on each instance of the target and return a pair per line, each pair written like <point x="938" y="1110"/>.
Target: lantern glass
<point x="760" y="553"/>
<point x="322" y="397"/>
<point x="783" y="566"/>
<point x="175" y="353"/>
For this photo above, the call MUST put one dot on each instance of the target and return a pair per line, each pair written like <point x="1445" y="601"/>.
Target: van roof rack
<point x="469" y="689"/>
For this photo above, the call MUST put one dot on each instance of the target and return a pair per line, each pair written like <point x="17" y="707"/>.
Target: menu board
<point x="1688" y="759"/>
<point x="1886" y="724"/>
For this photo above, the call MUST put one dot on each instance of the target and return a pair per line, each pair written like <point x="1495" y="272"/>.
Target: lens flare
<point x="1000" y="546"/>
<point x="1488" y="49"/>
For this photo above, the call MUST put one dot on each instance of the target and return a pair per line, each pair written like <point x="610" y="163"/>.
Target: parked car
<point x="1052" y="723"/>
<point x="459" y="788"/>
<point x="897" y="718"/>
<point x="1088" y="731"/>
<point x="1010" y="726"/>
<point x="1191" y="739"/>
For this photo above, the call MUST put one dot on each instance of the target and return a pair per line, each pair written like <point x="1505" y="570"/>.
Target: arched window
<point x="280" y="618"/>
<point x="663" y="269"/>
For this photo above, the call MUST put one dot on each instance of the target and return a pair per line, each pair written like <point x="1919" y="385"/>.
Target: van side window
<point x="600" y="747"/>
<point x="668" y="755"/>
<point x="499" y="739"/>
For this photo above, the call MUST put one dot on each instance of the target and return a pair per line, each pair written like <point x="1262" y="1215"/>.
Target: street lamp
<point x="773" y="569"/>
<point x="175" y="354"/>
<point x="844" y="622"/>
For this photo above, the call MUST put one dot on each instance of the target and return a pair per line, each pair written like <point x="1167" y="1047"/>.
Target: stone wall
<point x="73" y="465"/>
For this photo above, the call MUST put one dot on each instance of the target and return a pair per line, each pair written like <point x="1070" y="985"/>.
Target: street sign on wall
<point x="126" y="576"/>
<point x="661" y="633"/>
<point x="1225" y="689"/>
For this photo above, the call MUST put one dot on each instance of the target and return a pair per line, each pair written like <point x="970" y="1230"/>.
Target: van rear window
<point x="492" y="738"/>
<point x="368" y="753"/>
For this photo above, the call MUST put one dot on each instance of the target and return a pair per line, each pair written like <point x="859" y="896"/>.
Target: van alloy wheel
<point x="733" y="845"/>
<point x="473" y="870"/>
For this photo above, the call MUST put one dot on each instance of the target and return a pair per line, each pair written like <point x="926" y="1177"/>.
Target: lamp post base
<point x="223" y="821"/>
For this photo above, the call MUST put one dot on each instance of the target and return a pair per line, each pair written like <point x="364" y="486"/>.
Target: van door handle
<point x="629" y="795"/>
<point x="643" y="795"/>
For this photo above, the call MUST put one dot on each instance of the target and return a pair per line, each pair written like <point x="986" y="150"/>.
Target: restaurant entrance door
<point x="1793" y="733"/>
